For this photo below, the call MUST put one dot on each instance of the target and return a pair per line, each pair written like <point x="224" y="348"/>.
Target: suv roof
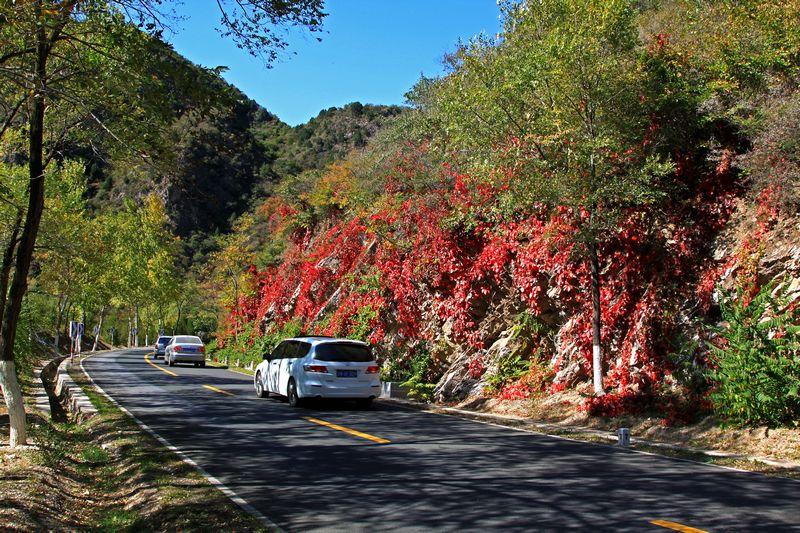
<point x="321" y="339"/>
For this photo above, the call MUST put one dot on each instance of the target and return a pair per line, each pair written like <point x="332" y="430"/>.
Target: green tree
<point x="562" y="101"/>
<point x="71" y="59"/>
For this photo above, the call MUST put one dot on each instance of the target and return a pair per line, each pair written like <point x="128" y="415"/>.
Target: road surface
<point x="334" y="467"/>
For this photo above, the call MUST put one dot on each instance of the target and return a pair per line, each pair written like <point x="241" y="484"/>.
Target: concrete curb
<point x="71" y="394"/>
<point x="539" y="427"/>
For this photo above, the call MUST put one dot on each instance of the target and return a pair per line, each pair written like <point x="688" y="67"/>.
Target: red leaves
<point x="476" y="367"/>
<point x="441" y="254"/>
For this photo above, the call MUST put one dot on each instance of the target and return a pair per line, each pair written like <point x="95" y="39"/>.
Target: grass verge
<point x="107" y="474"/>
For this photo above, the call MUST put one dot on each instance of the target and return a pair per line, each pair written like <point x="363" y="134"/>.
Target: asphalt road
<point x="435" y="473"/>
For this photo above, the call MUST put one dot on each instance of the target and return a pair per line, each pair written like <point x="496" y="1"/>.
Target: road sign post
<point x="80" y="337"/>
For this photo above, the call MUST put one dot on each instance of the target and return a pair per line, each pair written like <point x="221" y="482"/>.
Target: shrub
<point x="509" y="369"/>
<point x="425" y="371"/>
<point x="773" y="164"/>
<point x="618" y="403"/>
<point x="526" y="371"/>
<point x="756" y="360"/>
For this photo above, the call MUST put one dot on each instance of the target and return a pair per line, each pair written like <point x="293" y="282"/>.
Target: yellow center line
<point x="676" y="526"/>
<point x="164" y="370"/>
<point x="209" y="387"/>
<point x="348" y="430"/>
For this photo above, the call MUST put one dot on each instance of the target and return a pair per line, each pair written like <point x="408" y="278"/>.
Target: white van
<point x="319" y="367"/>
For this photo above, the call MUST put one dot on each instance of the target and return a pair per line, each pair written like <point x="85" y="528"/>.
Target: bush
<point x="509" y="369"/>
<point x="773" y="165"/>
<point x="756" y="361"/>
<point x="425" y="371"/>
<point x="526" y="371"/>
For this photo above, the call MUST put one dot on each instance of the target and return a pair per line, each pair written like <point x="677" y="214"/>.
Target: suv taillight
<point x="317" y="369"/>
<point x="202" y="349"/>
<point x="176" y="349"/>
<point x="373" y="369"/>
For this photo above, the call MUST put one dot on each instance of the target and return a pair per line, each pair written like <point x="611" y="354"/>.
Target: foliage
<point x="331" y="135"/>
<point x="420" y="382"/>
<point x="774" y="162"/>
<point x="510" y="368"/>
<point x="756" y="361"/>
<point x="526" y="370"/>
<point x="251" y="344"/>
<point x="583" y="127"/>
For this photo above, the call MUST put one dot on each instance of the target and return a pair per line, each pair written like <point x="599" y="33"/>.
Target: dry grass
<point x="107" y="475"/>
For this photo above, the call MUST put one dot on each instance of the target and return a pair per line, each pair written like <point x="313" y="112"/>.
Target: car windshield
<point x="342" y="352"/>
<point x="188" y="340"/>
<point x="163" y="340"/>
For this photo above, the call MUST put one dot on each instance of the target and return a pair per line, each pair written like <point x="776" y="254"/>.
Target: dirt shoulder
<point x="106" y="474"/>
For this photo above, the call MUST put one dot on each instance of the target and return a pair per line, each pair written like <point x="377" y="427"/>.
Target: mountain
<point x="331" y="135"/>
<point x="224" y="152"/>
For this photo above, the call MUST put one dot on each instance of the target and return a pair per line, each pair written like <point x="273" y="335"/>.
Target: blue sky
<point x="373" y="51"/>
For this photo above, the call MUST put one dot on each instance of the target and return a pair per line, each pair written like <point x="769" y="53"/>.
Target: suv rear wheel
<point x="294" y="399"/>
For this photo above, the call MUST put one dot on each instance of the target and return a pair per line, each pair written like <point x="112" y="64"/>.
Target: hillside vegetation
<point x="588" y="201"/>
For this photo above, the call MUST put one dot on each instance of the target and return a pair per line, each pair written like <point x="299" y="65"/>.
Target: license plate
<point x="346" y="373"/>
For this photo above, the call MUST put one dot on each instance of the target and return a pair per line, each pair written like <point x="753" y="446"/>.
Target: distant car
<point x="319" y="367"/>
<point x="185" y="349"/>
<point x="160" y="346"/>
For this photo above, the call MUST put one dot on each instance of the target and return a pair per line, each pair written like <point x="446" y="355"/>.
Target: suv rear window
<point x="163" y="340"/>
<point x="354" y="353"/>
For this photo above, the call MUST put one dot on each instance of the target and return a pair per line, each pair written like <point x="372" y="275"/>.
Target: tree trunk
<point x="8" y="261"/>
<point x="79" y="342"/>
<point x="19" y="283"/>
<point x="99" y="328"/>
<point x="597" y="358"/>
<point x="136" y="327"/>
<point x="130" y="330"/>
<point x="178" y="319"/>
<point x="13" y="398"/>
<point x="68" y="320"/>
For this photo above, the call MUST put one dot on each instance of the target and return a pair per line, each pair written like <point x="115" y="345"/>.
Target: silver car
<point x="185" y="349"/>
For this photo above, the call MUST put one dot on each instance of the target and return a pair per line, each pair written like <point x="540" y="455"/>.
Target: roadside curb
<point x="550" y="429"/>
<point x="235" y="498"/>
<point x="71" y="394"/>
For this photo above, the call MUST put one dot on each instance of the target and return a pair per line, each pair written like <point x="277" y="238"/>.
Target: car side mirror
<point x="268" y="356"/>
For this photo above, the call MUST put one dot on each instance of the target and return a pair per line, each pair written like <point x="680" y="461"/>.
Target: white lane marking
<point x="235" y="498"/>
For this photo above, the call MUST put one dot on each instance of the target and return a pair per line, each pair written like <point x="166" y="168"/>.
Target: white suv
<point x="319" y="367"/>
